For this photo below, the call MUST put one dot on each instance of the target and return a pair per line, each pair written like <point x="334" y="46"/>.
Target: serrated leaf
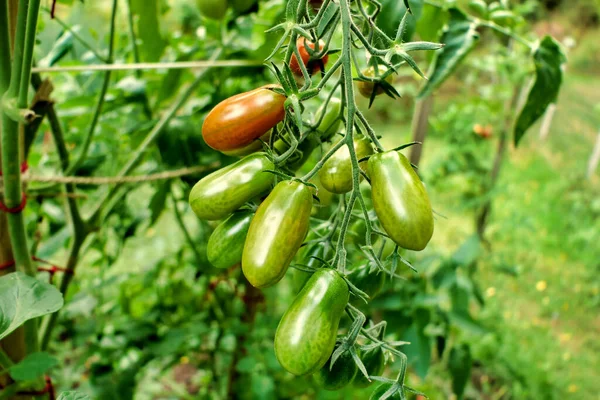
<point x="33" y="366"/>
<point x="23" y="298"/>
<point x="73" y="396"/>
<point x="459" y="38"/>
<point x="548" y="59"/>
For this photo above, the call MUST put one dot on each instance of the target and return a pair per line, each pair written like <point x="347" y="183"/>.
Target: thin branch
<point x="109" y="180"/>
<point x="149" y="66"/>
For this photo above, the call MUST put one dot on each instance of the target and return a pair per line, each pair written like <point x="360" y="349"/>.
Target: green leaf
<point x="23" y="298"/>
<point x="468" y="252"/>
<point x="148" y="29"/>
<point x="61" y="47"/>
<point x="548" y="59"/>
<point x="431" y="23"/>
<point x="392" y="12"/>
<point x="33" y="366"/>
<point x="459" y="38"/>
<point x="459" y="365"/>
<point x="158" y="201"/>
<point x="73" y="396"/>
<point x="419" y="349"/>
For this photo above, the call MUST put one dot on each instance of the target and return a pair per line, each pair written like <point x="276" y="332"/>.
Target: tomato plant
<point x="345" y="249"/>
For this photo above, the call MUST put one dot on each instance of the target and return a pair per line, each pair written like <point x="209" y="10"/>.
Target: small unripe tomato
<point x="312" y="66"/>
<point x="366" y="87"/>
<point x="213" y="9"/>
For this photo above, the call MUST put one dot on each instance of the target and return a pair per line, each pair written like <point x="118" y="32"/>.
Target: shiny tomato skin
<point x="213" y="9"/>
<point x="366" y="88"/>
<point x="239" y="120"/>
<point x="336" y="174"/>
<point x="400" y="200"/>
<point x="249" y="149"/>
<point x="307" y="332"/>
<point x="312" y="66"/>
<point x="341" y="374"/>
<point x="374" y="362"/>
<point x="226" y="243"/>
<point x="219" y="194"/>
<point x="276" y="233"/>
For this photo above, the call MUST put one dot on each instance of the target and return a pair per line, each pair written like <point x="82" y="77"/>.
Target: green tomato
<point x="366" y="87"/>
<point x="369" y="281"/>
<point x="340" y="375"/>
<point x="213" y="9"/>
<point x="374" y="362"/>
<point x="306" y="334"/>
<point x="276" y="233"/>
<point x="336" y="174"/>
<point x="381" y="389"/>
<point x="400" y="200"/>
<point x="226" y="244"/>
<point x="478" y="8"/>
<point x="241" y="6"/>
<point x="330" y="124"/>
<point x="219" y="194"/>
<point x="503" y="18"/>
<point x="306" y="258"/>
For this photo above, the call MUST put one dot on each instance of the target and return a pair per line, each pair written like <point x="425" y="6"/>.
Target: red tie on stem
<point x="20" y="207"/>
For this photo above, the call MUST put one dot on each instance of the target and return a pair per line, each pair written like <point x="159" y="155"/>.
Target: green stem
<point x="16" y="97"/>
<point x="49" y="323"/>
<point x="185" y="231"/>
<point x="5" y="361"/>
<point x="97" y="212"/>
<point x="90" y="134"/>
<point x="4" y="50"/>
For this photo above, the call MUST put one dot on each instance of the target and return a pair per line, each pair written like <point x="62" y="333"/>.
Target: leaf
<point x="468" y="252"/>
<point x="33" y="366"/>
<point x="73" y="396"/>
<point x="548" y="59"/>
<point x="148" y="29"/>
<point x="459" y="38"/>
<point x="392" y="12"/>
<point x="459" y="365"/>
<point x="158" y="201"/>
<point x="419" y="349"/>
<point x="431" y="23"/>
<point x="23" y="298"/>
<point x="61" y="47"/>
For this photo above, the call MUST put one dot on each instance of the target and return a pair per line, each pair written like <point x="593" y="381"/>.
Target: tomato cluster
<point x="264" y="239"/>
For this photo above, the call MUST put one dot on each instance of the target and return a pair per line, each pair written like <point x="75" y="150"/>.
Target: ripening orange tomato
<point x="312" y="66"/>
<point x="237" y="121"/>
